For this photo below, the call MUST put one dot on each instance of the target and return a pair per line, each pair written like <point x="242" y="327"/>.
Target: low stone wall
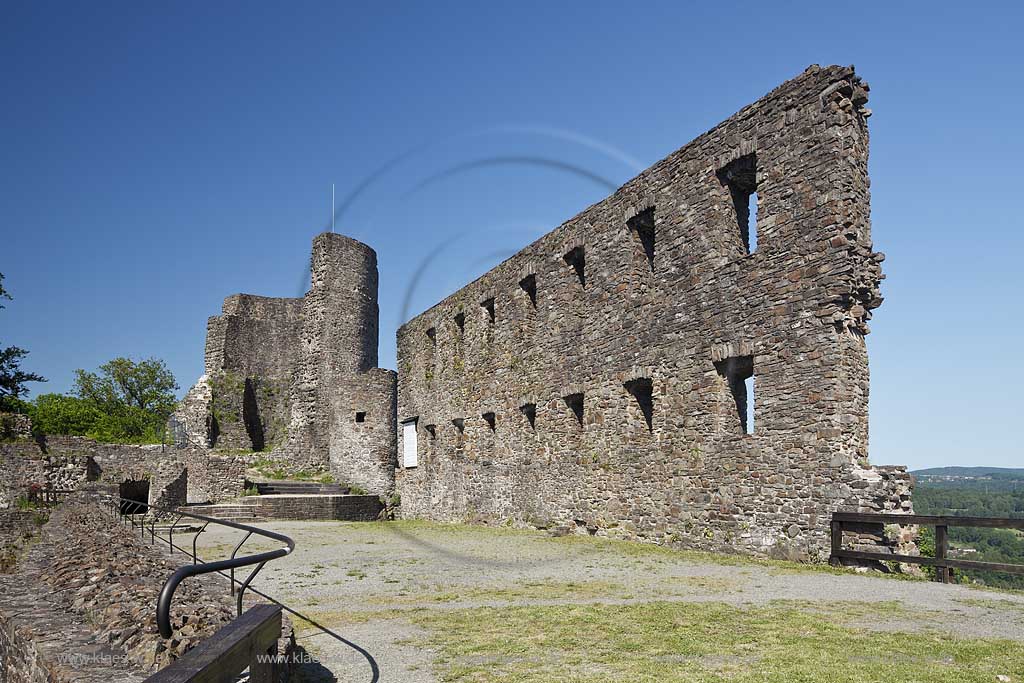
<point x="81" y="605"/>
<point x="347" y="508"/>
<point x="342" y="507"/>
<point x="66" y="463"/>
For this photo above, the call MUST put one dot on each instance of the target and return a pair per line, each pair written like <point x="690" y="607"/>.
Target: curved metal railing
<point x="163" y="609"/>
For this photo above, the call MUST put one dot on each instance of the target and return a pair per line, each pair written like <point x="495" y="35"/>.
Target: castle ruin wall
<point x="599" y="378"/>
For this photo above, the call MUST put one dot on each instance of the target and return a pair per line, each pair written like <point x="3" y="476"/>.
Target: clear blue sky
<point x="160" y="156"/>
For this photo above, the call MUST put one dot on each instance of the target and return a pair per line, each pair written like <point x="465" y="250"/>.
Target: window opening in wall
<point x="432" y="431"/>
<point x="749" y="384"/>
<point x="460" y="425"/>
<point x="738" y="373"/>
<point x="577" y="259"/>
<point x="752" y="223"/>
<point x="643" y="225"/>
<point x="460" y="322"/>
<point x="488" y="306"/>
<point x="361" y="417"/>
<point x="490" y="419"/>
<point x="740" y="177"/>
<point x="529" y="285"/>
<point x="575" y="403"/>
<point x="410" y="452"/>
<point x="432" y="333"/>
<point x="642" y="389"/>
<point x="530" y="411"/>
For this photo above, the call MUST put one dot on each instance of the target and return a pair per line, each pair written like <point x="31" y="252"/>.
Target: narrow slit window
<point x="740" y="177"/>
<point x="460" y="425"/>
<point x="575" y="403"/>
<point x="576" y="258"/>
<point x="643" y="225"/>
<point x="529" y="285"/>
<point x="361" y="416"/>
<point x="642" y="389"/>
<point x="738" y="373"/>
<point x="488" y="306"/>
<point x="432" y="333"/>
<point x="432" y="431"/>
<point x="752" y="223"/>
<point x="490" y="419"/>
<point x="749" y="384"/>
<point x="460" y="322"/>
<point x="529" y="411"/>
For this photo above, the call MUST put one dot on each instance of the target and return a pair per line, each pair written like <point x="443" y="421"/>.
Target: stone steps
<point x="278" y="488"/>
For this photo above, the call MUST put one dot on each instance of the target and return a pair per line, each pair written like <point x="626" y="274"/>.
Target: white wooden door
<point x="409" y="443"/>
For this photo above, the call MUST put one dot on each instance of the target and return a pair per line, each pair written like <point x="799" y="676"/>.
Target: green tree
<point x="60" y="414"/>
<point x="133" y="399"/>
<point x="147" y="385"/>
<point x="12" y="377"/>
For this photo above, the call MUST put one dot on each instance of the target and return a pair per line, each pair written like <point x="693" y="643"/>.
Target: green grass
<point x="668" y="641"/>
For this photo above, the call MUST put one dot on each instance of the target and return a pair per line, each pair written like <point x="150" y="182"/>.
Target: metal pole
<point x="241" y="591"/>
<point x="233" y="553"/>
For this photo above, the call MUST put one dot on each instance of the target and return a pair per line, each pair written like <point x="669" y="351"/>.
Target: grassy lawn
<point x="672" y="641"/>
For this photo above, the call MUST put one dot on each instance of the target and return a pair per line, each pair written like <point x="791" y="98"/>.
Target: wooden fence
<point x="841" y="521"/>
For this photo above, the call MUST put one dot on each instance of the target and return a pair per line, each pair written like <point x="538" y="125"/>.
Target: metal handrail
<point x="163" y="610"/>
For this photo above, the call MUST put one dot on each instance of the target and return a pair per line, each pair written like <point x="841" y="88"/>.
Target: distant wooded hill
<point x="964" y="472"/>
<point x="977" y="492"/>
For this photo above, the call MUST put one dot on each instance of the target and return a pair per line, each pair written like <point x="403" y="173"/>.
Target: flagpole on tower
<point x="332" y="207"/>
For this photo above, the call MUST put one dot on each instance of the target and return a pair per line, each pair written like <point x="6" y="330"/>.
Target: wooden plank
<point x="228" y="651"/>
<point x="928" y="520"/>
<point x="264" y="669"/>
<point x="933" y="562"/>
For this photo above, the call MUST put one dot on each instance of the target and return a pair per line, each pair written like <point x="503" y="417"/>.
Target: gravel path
<point x="351" y="578"/>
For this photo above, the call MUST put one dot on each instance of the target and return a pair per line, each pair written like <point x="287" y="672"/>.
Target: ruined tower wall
<point x="255" y="336"/>
<point x="336" y="375"/>
<point x="651" y="304"/>
<point x="252" y="350"/>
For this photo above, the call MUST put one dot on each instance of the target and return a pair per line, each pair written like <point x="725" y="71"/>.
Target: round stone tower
<point x="343" y="406"/>
<point x="341" y="307"/>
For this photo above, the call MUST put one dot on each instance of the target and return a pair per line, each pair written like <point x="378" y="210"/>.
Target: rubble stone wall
<point x="89" y="615"/>
<point x="598" y="379"/>
<point x="175" y="476"/>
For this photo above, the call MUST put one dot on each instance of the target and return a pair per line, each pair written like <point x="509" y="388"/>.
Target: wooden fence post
<point x="837" y="543"/>
<point x="941" y="551"/>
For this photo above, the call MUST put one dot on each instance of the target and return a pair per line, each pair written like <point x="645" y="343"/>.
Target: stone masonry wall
<point x="297" y="378"/>
<point x="342" y="404"/>
<point x="598" y="378"/>
<point x="89" y="615"/>
<point x="252" y="350"/>
<point x="175" y="476"/>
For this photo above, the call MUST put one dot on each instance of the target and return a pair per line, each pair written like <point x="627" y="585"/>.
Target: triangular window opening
<point x="642" y="389"/>
<point x="529" y="285"/>
<point x="575" y="403"/>
<point x="643" y="225"/>
<point x="576" y="258"/>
